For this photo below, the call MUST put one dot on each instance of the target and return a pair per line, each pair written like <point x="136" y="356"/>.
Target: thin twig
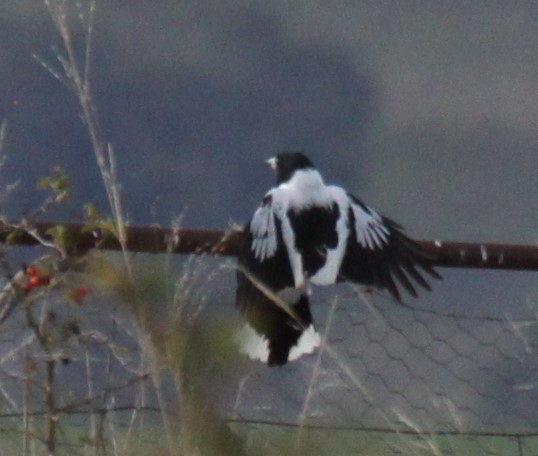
<point x="50" y="402"/>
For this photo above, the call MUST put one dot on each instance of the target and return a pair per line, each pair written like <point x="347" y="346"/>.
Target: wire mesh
<point x="408" y="380"/>
<point x="389" y="379"/>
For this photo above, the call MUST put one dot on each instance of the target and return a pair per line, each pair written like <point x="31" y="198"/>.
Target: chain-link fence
<point x="399" y="380"/>
<point x="390" y="378"/>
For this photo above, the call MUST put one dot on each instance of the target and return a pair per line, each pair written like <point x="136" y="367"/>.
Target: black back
<point x="315" y="232"/>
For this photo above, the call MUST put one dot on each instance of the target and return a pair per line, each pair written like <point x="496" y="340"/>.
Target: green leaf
<point x="94" y="220"/>
<point x="57" y="182"/>
<point x="61" y="237"/>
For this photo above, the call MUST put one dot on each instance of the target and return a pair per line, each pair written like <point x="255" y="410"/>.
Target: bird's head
<point x="286" y="163"/>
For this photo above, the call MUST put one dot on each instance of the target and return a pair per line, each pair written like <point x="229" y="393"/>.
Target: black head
<point x="286" y="163"/>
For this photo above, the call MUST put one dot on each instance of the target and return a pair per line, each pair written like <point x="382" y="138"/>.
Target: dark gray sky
<point x="427" y="110"/>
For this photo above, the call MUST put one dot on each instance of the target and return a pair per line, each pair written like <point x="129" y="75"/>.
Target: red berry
<point x="80" y="293"/>
<point x="34" y="281"/>
<point x="31" y="271"/>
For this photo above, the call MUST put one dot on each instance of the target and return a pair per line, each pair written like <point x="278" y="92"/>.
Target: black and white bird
<point x="306" y="232"/>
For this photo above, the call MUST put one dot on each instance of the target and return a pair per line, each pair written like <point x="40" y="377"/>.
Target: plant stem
<point x="51" y="407"/>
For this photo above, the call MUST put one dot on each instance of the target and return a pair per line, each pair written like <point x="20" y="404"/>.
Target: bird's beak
<point x="271" y="162"/>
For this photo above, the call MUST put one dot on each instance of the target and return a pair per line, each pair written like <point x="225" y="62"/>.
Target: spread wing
<point x="264" y="269"/>
<point x="263" y="231"/>
<point x="379" y="254"/>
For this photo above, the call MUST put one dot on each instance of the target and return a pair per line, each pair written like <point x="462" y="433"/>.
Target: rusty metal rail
<point x="154" y="239"/>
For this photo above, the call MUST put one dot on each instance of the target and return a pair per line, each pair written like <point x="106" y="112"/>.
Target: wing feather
<point x="379" y="254"/>
<point x="369" y="228"/>
<point x="263" y="230"/>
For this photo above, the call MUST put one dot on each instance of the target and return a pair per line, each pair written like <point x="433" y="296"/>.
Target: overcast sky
<point x="427" y="110"/>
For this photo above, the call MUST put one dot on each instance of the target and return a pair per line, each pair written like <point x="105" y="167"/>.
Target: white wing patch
<point x="252" y="344"/>
<point x="262" y="227"/>
<point x="306" y="345"/>
<point x="371" y="232"/>
<point x="256" y="346"/>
